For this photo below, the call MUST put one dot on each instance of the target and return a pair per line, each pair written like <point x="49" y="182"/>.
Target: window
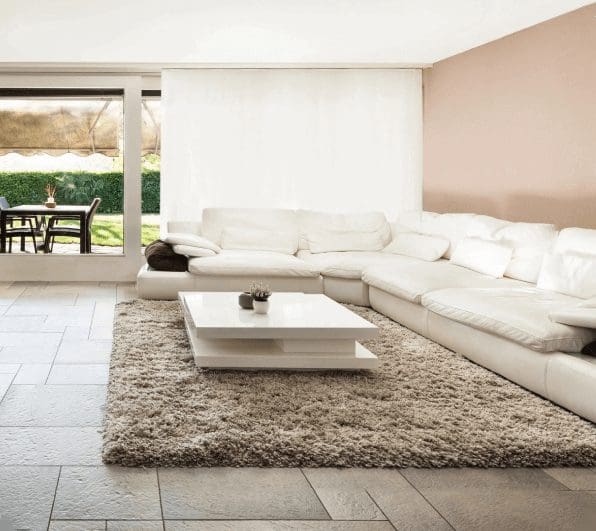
<point x="71" y="140"/>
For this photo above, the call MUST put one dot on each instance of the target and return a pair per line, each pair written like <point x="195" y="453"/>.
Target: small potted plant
<point x="260" y="295"/>
<point x="51" y="191"/>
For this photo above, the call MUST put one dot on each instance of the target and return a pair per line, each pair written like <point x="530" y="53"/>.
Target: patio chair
<point x="55" y="229"/>
<point x="30" y="227"/>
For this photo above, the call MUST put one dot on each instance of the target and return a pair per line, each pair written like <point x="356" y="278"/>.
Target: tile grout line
<point x="9" y="385"/>
<point x="316" y="493"/>
<point x="160" y="501"/>
<point x="92" y="317"/>
<point x="427" y="500"/>
<point x="379" y="507"/>
<point x="62" y="340"/>
<point x="54" y="499"/>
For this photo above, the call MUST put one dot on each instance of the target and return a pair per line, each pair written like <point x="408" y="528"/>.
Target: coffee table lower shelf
<point x="271" y="354"/>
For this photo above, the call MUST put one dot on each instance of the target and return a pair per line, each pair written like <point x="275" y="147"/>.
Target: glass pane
<point x="72" y="147"/>
<point x="151" y="134"/>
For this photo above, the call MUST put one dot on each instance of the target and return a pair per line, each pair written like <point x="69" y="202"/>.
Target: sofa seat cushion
<point x="410" y="280"/>
<point x="252" y="263"/>
<point x="350" y="264"/>
<point x="518" y="314"/>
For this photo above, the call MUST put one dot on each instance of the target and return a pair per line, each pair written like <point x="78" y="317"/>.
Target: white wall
<point x="342" y="140"/>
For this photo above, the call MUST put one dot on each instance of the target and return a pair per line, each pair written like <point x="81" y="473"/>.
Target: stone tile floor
<point x="55" y="341"/>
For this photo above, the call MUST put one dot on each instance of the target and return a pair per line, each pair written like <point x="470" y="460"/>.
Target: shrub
<point x="79" y="188"/>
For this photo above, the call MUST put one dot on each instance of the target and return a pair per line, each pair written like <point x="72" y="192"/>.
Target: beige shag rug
<point x="424" y="407"/>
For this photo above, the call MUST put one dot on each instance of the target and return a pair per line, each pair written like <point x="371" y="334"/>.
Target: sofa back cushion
<point x="484" y="256"/>
<point x="530" y="243"/>
<point x="570" y="273"/>
<point x="576" y="240"/>
<point x="215" y="220"/>
<point x="453" y="227"/>
<point x="329" y="241"/>
<point x="312" y="222"/>
<point x="259" y="240"/>
<point x="416" y="245"/>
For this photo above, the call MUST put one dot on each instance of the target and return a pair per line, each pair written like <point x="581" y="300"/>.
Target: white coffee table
<point x="301" y="331"/>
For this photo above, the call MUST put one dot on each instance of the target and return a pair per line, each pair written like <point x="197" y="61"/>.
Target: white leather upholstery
<point x="518" y="314"/>
<point x="529" y="240"/>
<point x="259" y="240"/>
<point x="570" y="381"/>
<point x="165" y="285"/>
<point x="502" y="324"/>
<point x="311" y="221"/>
<point x="347" y="290"/>
<point x="567" y="379"/>
<point x="411" y="278"/>
<point x="215" y="220"/>
<point x="257" y="263"/>
<point x="409" y="314"/>
<point x="582" y="314"/>
<point x="507" y="358"/>
<point x="350" y="264"/>
<point x="453" y="227"/>
<point x="576" y="240"/>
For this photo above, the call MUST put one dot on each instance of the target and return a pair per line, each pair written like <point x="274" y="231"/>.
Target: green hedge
<point x="78" y="188"/>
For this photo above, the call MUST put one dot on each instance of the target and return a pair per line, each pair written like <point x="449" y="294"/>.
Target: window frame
<point x="124" y="267"/>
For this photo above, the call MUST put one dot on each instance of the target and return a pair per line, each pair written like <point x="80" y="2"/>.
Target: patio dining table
<point x="80" y="211"/>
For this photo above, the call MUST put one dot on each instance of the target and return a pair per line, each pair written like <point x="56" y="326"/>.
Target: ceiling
<point x="252" y="32"/>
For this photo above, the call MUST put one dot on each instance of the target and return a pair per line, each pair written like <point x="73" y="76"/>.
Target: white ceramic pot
<point x="260" y="306"/>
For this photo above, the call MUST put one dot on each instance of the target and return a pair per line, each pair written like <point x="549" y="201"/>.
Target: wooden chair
<point x="30" y="227"/>
<point x="55" y="229"/>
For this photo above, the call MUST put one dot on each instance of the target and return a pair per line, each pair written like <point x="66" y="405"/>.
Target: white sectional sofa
<point x="501" y="320"/>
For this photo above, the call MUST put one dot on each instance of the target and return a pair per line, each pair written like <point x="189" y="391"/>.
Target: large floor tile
<point x="9" y="368"/>
<point x="103" y="314"/>
<point x="79" y="374"/>
<point x="516" y="509"/>
<point x="245" y="493"/>
<point x="480" y="478"/>
<point x="84" y="351"/>
<point x="77" y="525"/>
<point x="32" y="374"/>
<point x="100" y="333"/>
<point x="30" y="339"/>
<point x="575" y="478"/>
<point x="131" y="525"/>
<point x="50" y="446"/>
<point x="22" y="323"/>
<point x="53" y="405"/>
<point x="44" y="300"/>
<point x="8" y="294"/>
<point x="357" y="494"/>
<point x="275" y="525"/>
<point x="107" y="492"/>
<point x="25" y="354"/>
<point x="60" y="321"/>
<point x="26" y="496"/>
<point x="343" y="492"/>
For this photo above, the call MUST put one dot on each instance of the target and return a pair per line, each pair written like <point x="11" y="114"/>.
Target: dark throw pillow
<point x="590" y="349"/>
<point x="160" y="256"/>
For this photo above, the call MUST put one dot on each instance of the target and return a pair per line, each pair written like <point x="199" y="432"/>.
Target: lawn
<point x="107" y="229"/>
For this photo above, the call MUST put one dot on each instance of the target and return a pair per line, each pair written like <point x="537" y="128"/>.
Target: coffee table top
<point x="291" y="316"/>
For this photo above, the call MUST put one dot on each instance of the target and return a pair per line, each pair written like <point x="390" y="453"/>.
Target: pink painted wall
<point x="510" y="127"/>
